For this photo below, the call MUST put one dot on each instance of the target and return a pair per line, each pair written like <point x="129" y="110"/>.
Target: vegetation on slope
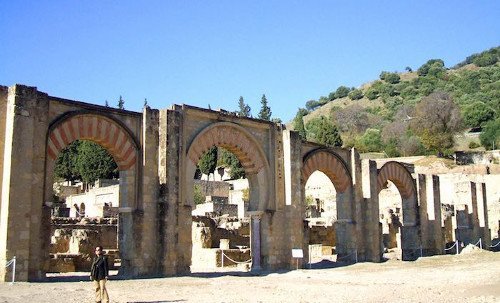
<point x="415" y="112"/>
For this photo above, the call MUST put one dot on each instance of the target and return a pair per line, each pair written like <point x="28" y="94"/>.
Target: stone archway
<point x="95" y="127"/>
<point x="120" y="144"/>
<point x="402" y="179"/>
<point x="335" y="169"/>
<point x="243" y="145"/>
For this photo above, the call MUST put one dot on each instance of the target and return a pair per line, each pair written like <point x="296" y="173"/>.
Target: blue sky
<point x="212" y="52"/>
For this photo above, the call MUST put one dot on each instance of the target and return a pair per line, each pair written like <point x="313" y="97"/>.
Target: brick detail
<point x="99" y="129"/>
<point x="397" y="174"/>
<point x="329" y="164"/>
<point x="232" y="138"/>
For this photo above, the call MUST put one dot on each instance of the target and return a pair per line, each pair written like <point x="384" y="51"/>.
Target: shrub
<point x="473" y="144"/>
<point x="355" y="94"/>
<point x="392" y="78"/>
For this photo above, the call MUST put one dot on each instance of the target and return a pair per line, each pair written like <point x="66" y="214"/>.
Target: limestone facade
<point x="157" y="151"/>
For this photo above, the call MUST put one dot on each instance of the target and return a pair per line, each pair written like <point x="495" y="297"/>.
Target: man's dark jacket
<point x="99" y="270"/>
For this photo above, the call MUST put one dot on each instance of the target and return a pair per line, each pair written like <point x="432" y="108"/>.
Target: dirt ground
<point x="472" y="276"/>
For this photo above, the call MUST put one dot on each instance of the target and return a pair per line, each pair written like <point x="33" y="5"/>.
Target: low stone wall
<point x="324" y="235"/>
<point x="73" y="243"/>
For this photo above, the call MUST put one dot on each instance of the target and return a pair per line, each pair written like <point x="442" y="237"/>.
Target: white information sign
<point x="297" y="253"/>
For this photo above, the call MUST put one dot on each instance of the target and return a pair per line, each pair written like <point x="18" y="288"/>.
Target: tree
<point x="65" y="167"/>
<point x="298" y="123"/>
<point x="477" y="114"/>
<point x="94" y="162"/>
<point x="355" y="94"/>
<point x="121" y="103"/>
<point x="208" y="161"/>
<point x="372" y="93"/>
<point x="437" y="119"/>
<point x="435" y="64"/>
<point x="198" y="195"/>
<point x="228" y="159"/>
<point x="328" y="134"/>
<point x="392" y="78"/>
<point x="341" y="92"/>
<point x="244" y="109"/>
<point x="370" y="141"/>
<point x="312" y="104"/>
<point x="490" y="136"/>
<point x="265" y="111"/>
<point x="106" y="103"/>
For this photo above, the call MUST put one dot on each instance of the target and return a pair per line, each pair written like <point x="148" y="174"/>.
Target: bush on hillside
<point x="355" y="94"/>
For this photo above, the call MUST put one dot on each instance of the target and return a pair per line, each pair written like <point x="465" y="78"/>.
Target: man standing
<point x="99" y="274"/>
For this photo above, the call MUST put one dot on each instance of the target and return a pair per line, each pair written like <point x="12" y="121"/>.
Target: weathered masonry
<point x="157" y="151"/>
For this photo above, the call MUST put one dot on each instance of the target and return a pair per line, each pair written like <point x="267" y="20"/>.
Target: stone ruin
<point x="73" y="241"/>
<point x="214" y="236"/>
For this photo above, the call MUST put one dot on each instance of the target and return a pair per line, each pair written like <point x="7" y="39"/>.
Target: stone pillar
<point x="23" y="230"/>
<point x="126" y="235"/>
<point x="150" y="193"/>
<point x="438" y="238"/>
<point x="174" y="214"/>
<point x="425" y="220"/>
<point x="255" y="240"/>
<point x="357" y="196"/>
<point x="296" y="233"/>
<point x="429" y="199"/>
<point x="371" y="231"/>
<point x="464" y="227"/>
<point x="482" y="210"/>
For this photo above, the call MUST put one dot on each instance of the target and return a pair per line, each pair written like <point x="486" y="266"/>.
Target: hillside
<point x="382" y="115"/>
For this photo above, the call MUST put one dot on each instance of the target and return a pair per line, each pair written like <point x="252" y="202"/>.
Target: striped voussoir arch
<point x="234" y="139"/>
<point x="329" y="164"/>
<point x="397" y="174"/>
<point x="99" y="129"/>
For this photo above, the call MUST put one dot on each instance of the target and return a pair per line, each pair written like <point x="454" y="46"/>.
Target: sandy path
<point x="472" y="277"/>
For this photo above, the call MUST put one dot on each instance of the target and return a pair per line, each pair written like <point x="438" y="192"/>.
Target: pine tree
<point x="244" y="109"/>
<point x="208" y="161"/>
<point x="265" y="111"/>
<point x="106" y="103"/>
<point x="298" y="124"/>
<point x="121" y="103"/>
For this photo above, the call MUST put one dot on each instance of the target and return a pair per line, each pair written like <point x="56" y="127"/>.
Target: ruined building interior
<point x="298" y="195"/>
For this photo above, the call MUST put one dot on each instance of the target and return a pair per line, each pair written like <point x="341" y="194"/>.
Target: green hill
<point x="415" y="112"/>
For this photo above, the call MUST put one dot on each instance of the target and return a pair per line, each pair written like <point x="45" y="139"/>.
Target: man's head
<point x="98" y="250"/>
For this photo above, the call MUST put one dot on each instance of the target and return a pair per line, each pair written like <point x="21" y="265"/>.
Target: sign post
<point x="297" y="253"/>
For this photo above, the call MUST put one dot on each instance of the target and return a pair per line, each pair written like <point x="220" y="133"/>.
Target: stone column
<point x="23" y="230"/>
<point x="425" y="220"/>
<point x="482" y="210"/>
<point x="438" y="238"/>
<point x="125" y="228"/>
<point x="255" y="240"/>
<point x="150" y="192"/>
<point x="371" y="231"/>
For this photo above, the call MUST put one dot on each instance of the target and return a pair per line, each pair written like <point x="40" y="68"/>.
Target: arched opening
<point x="85" y="210"/>
<point x="327" y="173"/>
<point x="85" y="206"/>
<point x="391" y="221"/>
<point x="221" y="225"/>
<point x="240" y="248"/>
<point x="398" y="212"/>
<point x="321" y="215"/>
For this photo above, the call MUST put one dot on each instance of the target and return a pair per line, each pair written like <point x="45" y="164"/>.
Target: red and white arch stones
<point x="398" y="175"/>
<point x="96" y="128"/>
<point x="330" y="165"/>
<point x="232" y="139"/>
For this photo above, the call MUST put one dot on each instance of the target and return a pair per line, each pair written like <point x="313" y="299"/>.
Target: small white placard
<point x="297" y="253"/>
